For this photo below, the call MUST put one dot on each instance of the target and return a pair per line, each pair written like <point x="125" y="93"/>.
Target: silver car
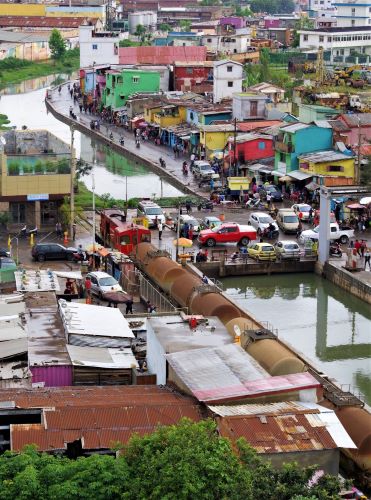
<point x="287" y="249"/>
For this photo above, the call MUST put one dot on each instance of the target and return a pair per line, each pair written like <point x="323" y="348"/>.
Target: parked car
<point x="303" y="209"/>
<point x="151" y="212"/>
<point x="336" y="234"/>
<point x="102" y="283"/>
<point x="262" y="251"/>
<point x="261" y="220"/>
<point x="227" y="233"/>
<point x="211" y="222"/>
<point x="275" y="193"/>
<point x="287" y="249"/>
<point x="52" y="251"/>
<point x="190" y="221"/>
<point x="287" y="220"/>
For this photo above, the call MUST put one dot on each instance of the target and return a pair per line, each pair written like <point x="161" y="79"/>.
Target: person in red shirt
<point x="357" y="246"/>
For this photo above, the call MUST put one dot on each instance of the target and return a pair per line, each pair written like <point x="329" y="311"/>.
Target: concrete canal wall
<point x="347" y="281"/>
<point x="129" y="153"/>
<point x="219" y="269"/>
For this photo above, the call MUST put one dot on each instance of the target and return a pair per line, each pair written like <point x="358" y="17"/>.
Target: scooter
<point x="137" y="144"/>
<point x="79" y="257"/>
<point x="335" y="251"/>
<point x="271" y="235"/>
<point x="25" y="232"/>
<point x="254" y="203"/>
<point x="111" y="137"/>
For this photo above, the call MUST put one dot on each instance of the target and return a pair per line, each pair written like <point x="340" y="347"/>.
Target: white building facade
<point x="344" y="45"/>
<point x="353" y="13"/>
<point x="227" y="44"/>
<point x="98" y="47"/>
<point x="228" y="76"/>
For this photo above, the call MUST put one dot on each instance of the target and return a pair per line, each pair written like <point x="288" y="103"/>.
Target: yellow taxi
<point x="262" y="251"/>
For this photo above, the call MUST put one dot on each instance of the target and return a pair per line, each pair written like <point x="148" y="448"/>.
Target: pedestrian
<point x="160" y="228"/>
<point x="357" y="247"/>
<point x="363" y="247"/>
<point x="58" y="229"/>
<point x="74" y="231"/>
<point x="71" y="93"/>
<point x="360" y="224"/>
<point x="174" y="150"/>
<point x="188" y="207"/>
<point x="269" y="198"/>
<point x="367" y="255"/>
<point x="310" y="220"/>
<point x="190" y="232"/>
<point x="59" y="89"/>
<point x="204" y="279"/>
<point x="129" y="306"/>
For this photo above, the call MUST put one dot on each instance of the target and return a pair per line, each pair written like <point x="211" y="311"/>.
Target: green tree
<point x="273" y="6"/>
<point x="265" y="73"/>
<point x="140" y="32"/>
<point x="302" y="23"/>
<point x="185" y="25"/>
<point x="57" y="44"/>
<point x="165" y="27"/>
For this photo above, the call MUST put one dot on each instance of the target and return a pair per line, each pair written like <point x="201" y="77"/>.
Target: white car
<point x="304" y="209"/>
<point x="336" y="234"/>
<point x="286" y="249"/>
<point x="102" y="283"/>
<point x="260" y="221"/>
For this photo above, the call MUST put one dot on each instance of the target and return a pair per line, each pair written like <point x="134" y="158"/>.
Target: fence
<point x="150" y="292"/>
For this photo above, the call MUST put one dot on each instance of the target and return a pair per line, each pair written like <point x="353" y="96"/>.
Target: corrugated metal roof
<point x="247" y="126"/>
<point x="101" y="357"/>
<point x="294" y="127"/>
<point x="42" y="21"/>
<point x="353" y="120"/>
<point x="11" y="348"/>
<point x="22" y="37"/>
<point x="268" y="408"/>
<point x="278" y="434"/>
<point x="161" y="55"/>
<point x="321" y="156"/>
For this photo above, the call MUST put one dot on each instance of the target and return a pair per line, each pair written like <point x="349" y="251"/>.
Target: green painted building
<point x="121" y="85"/>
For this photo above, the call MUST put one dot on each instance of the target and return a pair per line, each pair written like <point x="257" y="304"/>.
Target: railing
<point x="149" y="292"/>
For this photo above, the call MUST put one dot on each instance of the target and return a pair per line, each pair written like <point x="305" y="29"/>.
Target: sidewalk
<point x="148" y="150"/>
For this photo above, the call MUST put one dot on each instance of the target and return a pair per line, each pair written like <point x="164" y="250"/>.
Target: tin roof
<point x="353" y="120"/>
<point x="106" y="415"/>
<point x="43" y="22"/>
<point x="249" y="126"/>
<point x="102" y="357"/>
<point x="322" y="156"/>
<point x="161" y="55"/>
<point x="283" y="427"/>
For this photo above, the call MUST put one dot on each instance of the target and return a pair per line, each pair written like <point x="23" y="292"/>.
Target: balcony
<point x="283" y="147"/>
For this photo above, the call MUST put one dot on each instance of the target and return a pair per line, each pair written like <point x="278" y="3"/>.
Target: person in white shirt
<point x="160" y="229"/>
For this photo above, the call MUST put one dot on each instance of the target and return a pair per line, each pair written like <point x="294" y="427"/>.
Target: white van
<point x="151" y="211"/>
<point x="287" y="220"/>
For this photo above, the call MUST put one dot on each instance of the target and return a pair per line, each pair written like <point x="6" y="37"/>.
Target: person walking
<point x="74" y="231"/>
<point x="367" y="256"/>
<point x="129" y="306"/>
<point x="160" y="229"/>
<point x="58" y="229"/>
<point x="357" y="247"/>
<point x="269" y="199"/>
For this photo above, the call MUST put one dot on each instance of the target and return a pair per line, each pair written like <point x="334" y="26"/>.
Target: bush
<point x="13" y="168"/>
<point x="39" y="167"/>
<point x="14" y="63"/>
<point x="63" y="166"/>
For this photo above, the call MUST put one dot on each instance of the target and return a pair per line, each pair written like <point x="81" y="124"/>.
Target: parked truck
<point x="227" y="233"/>
<point x="336" y="234"/>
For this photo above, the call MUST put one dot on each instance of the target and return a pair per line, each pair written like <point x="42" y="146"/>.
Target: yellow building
<point x="22" y="9"/>
<point x="215" y="137"/>
<point x="35" y="177"/>
<point x="334" y="167"/>
<point x="167" y="116"/>
<point x="47" y="10"/>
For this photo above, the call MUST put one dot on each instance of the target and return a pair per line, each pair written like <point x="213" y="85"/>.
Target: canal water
<point x="319" y="319"/>
<point x="111" y="171"/>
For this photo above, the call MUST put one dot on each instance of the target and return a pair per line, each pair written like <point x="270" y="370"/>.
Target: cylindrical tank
<point x="181" y="289"/>
<point x="141" y="253"/>
<point x="214" y="304"/>
<point x="134" y="19"/>
<point x="158" y="267"/>
<point x="275" y="358"/>
<point x="357" y="423"/>
<point x="242" y="323"/>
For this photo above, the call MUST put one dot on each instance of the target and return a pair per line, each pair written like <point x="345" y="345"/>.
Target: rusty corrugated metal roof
<point x="42" y="21"/>
<point x="278" y="434"/>
<point x="161" y="55"/>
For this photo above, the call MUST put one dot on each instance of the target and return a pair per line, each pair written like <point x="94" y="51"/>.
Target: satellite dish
<point x="237" y="330"/>
<point x="3" y="141"/>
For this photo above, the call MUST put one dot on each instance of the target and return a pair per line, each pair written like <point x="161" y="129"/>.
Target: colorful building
<point x="121" y="85"/>
<point x="35" y="177"/>
<point x="297" y="139"/>
<point x="251" y="147"/>
<point x="329" y="168"/>
<point x="309" y="113"/>
<point x="193" y="76"/>
<point x="165" y="116"/>
<point x="213" y="138"/>
<point x="201" y="115"/>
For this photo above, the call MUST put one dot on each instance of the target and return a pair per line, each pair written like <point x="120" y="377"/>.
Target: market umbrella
<point x="183" y="242"/>
<point x="285" y="178"/>
<point x="355" y="206"/>
<point x="365" y="201"/>
<point x="117" y="297"/>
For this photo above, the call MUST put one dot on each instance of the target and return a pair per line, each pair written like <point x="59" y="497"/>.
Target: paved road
<point x="148" y="150"/>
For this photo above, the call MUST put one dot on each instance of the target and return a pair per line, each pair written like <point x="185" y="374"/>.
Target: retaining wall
<point x="347" y="281"/>
<point x="216" y="269"/>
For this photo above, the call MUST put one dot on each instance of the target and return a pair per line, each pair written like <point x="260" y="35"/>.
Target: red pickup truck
<point x="227" y="233"/>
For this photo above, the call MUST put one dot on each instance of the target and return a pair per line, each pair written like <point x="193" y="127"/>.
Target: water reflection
<point x="41" y="82"/>
<point x="326" y="324"/>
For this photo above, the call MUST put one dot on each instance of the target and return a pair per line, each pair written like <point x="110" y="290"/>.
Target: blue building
<point x="297" y="139"/>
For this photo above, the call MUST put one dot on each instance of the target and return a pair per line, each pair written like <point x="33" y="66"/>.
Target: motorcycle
<point x="162" y="163"/>
<point x="270" y="234"/>
<point x="335" y="251"/>
<point x="111" y="137"/>
<point x="137" y="144"/>
<point x="79" y="257"/>
<point x="255" y="203"/>
<point x="27" y="232"/>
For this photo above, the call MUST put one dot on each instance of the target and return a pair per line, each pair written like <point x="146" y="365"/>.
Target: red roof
<point x="161" y="55"/>
<point x="247" y="126"/>
<point x="366" y="149"/>
<point x="42" y="21"/>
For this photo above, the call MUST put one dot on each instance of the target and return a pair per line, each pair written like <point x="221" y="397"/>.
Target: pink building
<point x="351" y="127"/>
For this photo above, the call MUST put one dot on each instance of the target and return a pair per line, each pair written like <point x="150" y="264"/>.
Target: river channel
<point x="330" y="327"/>
<point x="112" y="172"/>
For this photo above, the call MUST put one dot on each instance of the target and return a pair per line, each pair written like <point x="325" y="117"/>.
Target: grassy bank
<point x="14" y="70"/>
<point x="84" y="200"/>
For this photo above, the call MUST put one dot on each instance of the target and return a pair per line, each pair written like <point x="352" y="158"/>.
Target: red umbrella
<point x="355" y="206"/>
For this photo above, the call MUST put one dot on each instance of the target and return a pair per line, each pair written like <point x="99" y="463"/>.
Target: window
<point x="209" y="40"/>
<point x="261" y="145"/>
<point x="321" y="38"/>
<point x="189" y="71"/>
<point x="353" y="22"/>
<point x="125" y="239"/>
<point x="135" y="79"/>
<point x="17" y="212"/>
<point x="229" y="69"/>
<point x="232" y="229"/>
<point x="282" y="157"/>
<point x="353" y="11"/>
<point x="230" y="84"/>
<point x="95" y="46"/>
<point x="329" y="39"/>
<point x="335" y="168"/>
<point x="305" y="38"/>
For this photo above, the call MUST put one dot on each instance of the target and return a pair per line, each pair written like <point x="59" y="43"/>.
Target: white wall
<point x="98" y="50"/>
<point x="231" y="44"/>
<point x="356" y="14"/>
<point x="156" y="361"/>
<point x="226" y="81"/>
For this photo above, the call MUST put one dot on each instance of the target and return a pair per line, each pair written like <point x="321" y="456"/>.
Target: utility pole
<point x="93" y="190"/>
<point x="357" y="176"/>
<point x="177" y="235"/>
<point x="72" y="187"/>
<point x="235" y="147"/>
<point x="126" y="198"/>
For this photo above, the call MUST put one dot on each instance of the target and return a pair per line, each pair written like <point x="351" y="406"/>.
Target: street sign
<point x="37" y="197"/>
